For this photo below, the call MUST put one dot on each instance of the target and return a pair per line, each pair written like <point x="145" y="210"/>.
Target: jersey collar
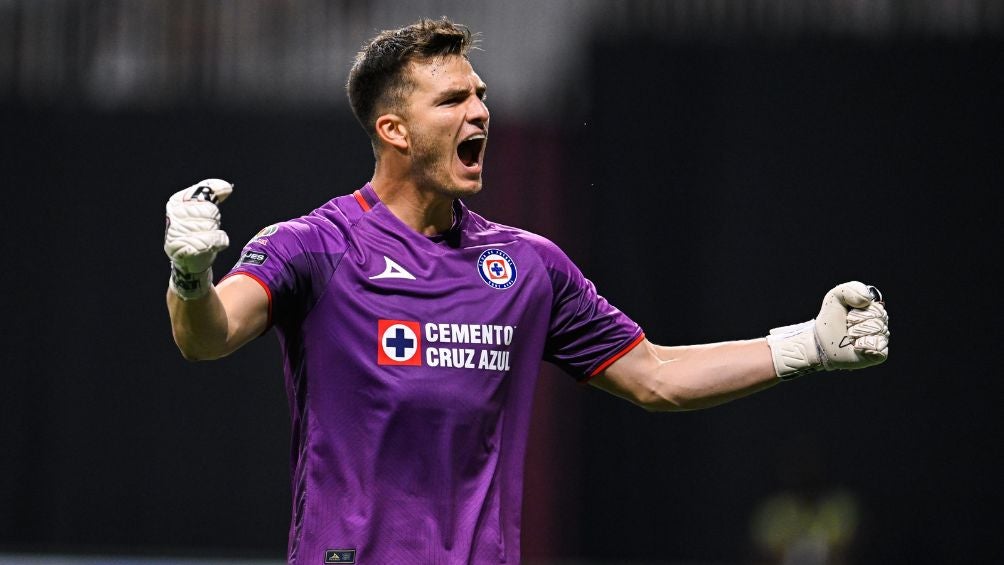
<point x="367" y="199"/>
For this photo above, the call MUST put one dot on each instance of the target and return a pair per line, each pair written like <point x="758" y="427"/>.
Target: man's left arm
<point x="851" y="331"/>
<point x="660" y="378"/>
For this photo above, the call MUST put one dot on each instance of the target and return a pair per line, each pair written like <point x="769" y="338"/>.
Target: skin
<point x="417" y="176"/>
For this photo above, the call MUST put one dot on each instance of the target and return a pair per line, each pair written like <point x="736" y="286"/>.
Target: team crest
<point x="497" y="269"/>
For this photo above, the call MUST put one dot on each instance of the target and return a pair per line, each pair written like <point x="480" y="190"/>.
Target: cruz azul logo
<point x="399" y="343"/>
<point x="444" y="345"/>
<point x="497" y="269"/>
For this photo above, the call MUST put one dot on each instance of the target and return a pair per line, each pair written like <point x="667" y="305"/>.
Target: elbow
<point x="672" y="405"/>
<point x="193" y="355"/>
<point x="652" y="393"/>
<point x="196" y="351"/>
<point x="667" y="397"/>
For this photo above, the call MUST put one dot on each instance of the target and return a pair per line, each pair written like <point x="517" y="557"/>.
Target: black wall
<point x="732" y="185"/>
<point x="110" y="438"/>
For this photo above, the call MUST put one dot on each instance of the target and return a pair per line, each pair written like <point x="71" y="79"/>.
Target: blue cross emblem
<point x="399" y="343"/>
<point x="497" y="269"/>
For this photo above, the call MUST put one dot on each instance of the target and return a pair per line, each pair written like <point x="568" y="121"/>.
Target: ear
<point x="392" y="130"/>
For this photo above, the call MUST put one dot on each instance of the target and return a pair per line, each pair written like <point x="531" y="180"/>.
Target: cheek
<point x="445" y="121"/>
<point x="430" y="134"/>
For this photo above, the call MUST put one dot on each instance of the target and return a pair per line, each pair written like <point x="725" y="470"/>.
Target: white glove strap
<point x="795" y="350"/>
<point x="190" y="286"/>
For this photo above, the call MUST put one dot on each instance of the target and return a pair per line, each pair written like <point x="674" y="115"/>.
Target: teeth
<point x="475" y="137"/>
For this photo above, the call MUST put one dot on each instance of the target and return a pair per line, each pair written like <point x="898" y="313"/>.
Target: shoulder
<point x="321" y="228"/>
<point x="548" y="252"/>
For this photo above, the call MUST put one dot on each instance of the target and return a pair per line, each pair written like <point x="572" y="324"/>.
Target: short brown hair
<point x="378" y="79"/>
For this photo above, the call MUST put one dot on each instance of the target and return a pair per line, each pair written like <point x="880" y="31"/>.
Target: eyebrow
<point x="480" y="90"/>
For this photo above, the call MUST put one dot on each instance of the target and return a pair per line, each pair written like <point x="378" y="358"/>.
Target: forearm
<point x="692" y="377"/>
<point x="207" y="322"/>
<point x="701" y="376"/>
<point x="850" y="332"/>
<point x="200" y="326"/>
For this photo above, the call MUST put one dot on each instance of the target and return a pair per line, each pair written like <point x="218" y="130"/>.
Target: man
<point x="412" y="328"/>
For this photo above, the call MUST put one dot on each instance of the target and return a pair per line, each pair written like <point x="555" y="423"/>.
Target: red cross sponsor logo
<point x="399" y="342"/>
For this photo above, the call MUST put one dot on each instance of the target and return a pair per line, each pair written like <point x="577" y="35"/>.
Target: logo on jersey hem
<point x="497" y="269"/>
<point x="339" y="556"/>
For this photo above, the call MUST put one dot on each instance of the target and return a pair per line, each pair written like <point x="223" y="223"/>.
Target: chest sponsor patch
<point x="400" y="342"/>
<point x="497" y="269"/>
<point x="444" y="345"/>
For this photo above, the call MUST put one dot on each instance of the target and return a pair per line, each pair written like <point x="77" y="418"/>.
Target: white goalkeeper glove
<point x="850" y="332"/>
<point x="193" y="236"/>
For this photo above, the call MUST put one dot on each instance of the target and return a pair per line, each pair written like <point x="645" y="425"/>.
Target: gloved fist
<point x="193" y="236"/>
<point x="850" y="332"/>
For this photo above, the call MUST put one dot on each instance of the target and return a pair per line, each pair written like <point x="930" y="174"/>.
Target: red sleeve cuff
<point x="268" y="292"/>
<point x="610" y="361"/>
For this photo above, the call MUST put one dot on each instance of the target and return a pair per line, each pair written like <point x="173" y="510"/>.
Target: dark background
<point x="713" y="189"/>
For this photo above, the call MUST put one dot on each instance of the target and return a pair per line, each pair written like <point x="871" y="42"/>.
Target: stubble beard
<point x="432" y="166"/>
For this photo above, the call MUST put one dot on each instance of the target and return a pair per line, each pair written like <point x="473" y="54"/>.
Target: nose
<point x="477" y="112"/>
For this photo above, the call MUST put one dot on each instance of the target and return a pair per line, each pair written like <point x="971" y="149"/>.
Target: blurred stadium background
<point x="714" y="166"/>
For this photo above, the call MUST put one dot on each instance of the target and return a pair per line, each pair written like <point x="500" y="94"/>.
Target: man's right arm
<point x="217" y="324"/>
<point x="207" y="322"/>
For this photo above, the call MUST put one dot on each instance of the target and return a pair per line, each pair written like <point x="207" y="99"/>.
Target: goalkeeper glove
<point x="193" y="236"/>
<point x="850" y="332"/>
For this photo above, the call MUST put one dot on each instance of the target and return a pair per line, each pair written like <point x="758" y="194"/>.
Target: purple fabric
<point x="410" y="367"/>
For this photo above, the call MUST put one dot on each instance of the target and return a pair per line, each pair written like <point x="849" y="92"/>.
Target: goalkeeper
<point x="412" y="328"/>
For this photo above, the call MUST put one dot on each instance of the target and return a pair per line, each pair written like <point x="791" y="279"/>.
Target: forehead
<point x="440" y="74"/>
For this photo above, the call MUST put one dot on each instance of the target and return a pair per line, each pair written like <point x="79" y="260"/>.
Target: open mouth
<point x="469" y="150"/>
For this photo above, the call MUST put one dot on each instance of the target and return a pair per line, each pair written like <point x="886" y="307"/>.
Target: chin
<point x="473" y="189"/>
<point x="461" y="189"/>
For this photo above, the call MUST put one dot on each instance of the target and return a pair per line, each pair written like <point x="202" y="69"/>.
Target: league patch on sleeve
<point x="261" y="237"/>
<point x="253" y="258"/>
<point x="267" y="231"/>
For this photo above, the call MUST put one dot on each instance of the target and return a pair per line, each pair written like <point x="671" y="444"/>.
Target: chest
<point x="493" y="285"/>
<point x="432" y="332"/>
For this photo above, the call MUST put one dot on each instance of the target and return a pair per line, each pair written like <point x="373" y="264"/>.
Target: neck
<point x="425" y="210"/>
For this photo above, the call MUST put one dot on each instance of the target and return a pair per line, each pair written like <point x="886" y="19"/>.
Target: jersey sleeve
<point x="586" y="333"/>
<point x="292" y="261"/>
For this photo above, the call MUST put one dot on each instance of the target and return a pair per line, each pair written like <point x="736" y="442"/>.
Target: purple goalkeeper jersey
<point x="410" y="364"/>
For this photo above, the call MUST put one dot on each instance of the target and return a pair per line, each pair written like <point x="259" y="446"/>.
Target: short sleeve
<point x="586" y="333"/>
<point x="291" y="261"/>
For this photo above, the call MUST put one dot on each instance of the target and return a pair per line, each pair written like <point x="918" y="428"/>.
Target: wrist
<point x="795" y="351"/>
<point x="190" y="286"/>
